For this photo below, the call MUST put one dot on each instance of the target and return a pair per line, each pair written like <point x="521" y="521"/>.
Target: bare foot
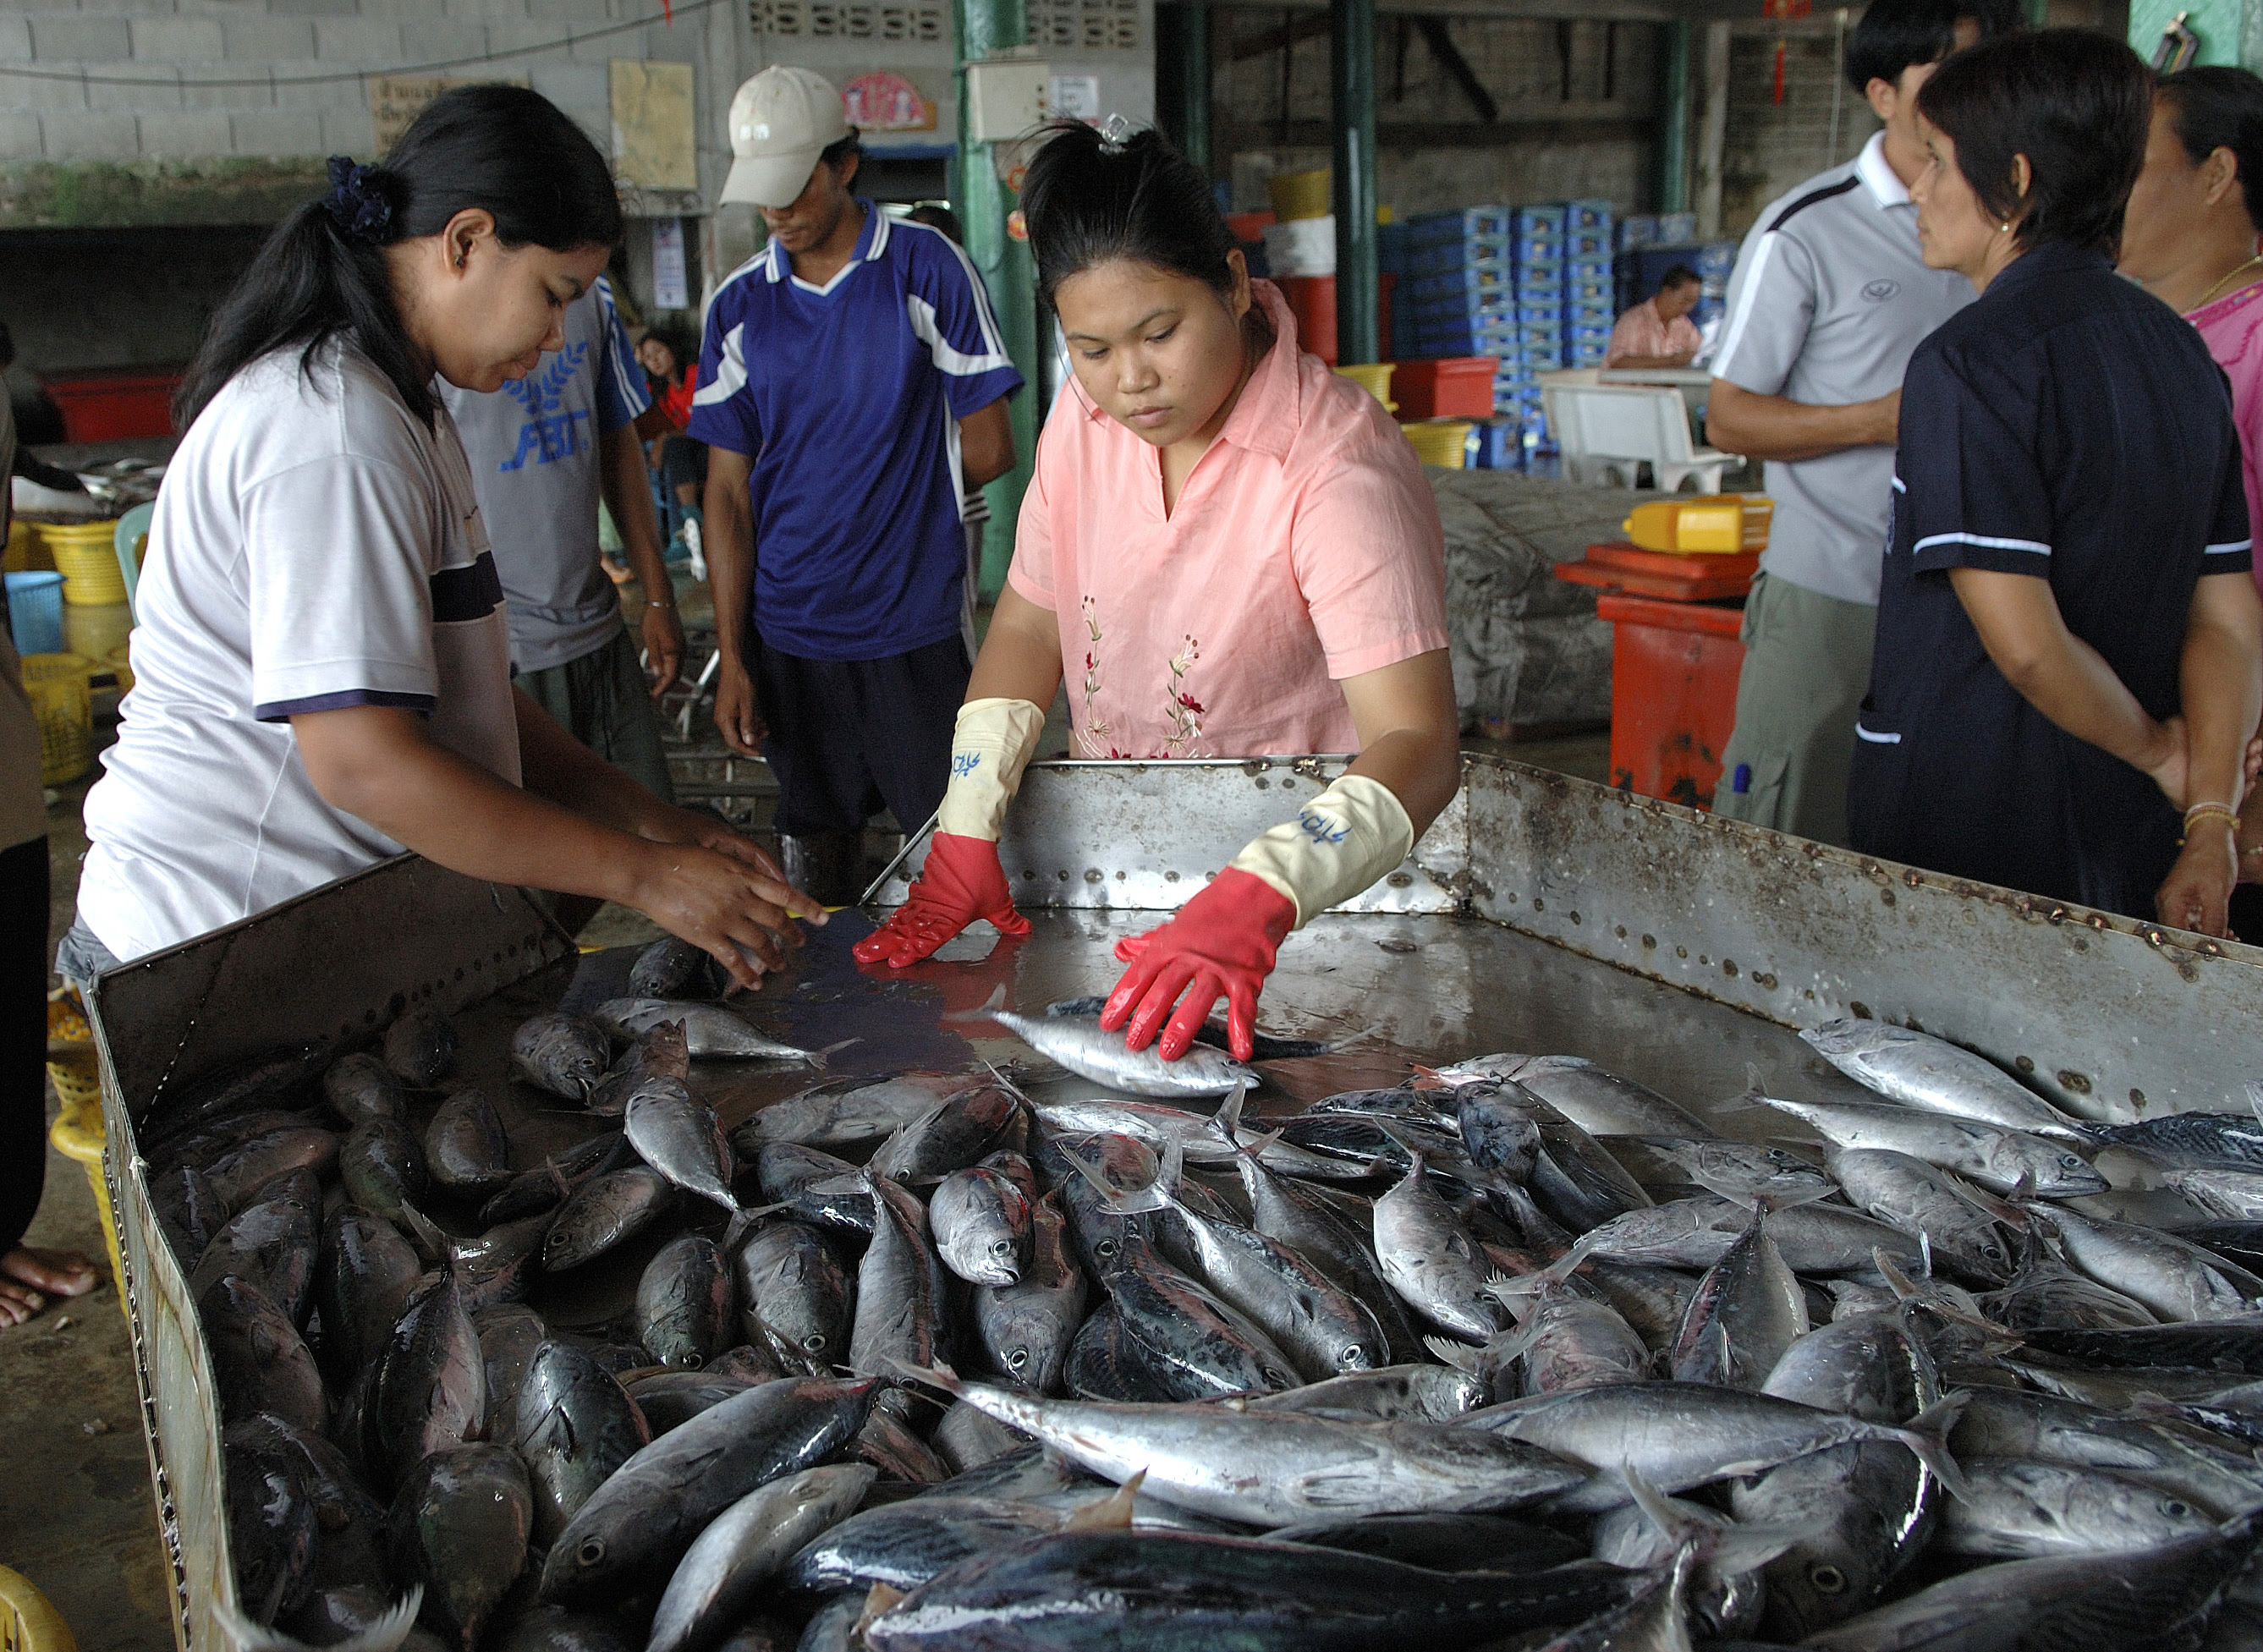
<point x="56" y="1272"/>
<point x="17" y="1302"/>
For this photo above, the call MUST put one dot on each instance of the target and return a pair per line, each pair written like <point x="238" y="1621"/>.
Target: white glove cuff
<point x="1351" y="834"/>
<point x="990" y="747"/>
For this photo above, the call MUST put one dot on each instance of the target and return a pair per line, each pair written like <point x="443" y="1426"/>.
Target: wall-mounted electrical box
<point x="1006" y="97"/>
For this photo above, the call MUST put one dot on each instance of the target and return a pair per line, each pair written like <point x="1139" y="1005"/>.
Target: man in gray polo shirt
<point x="1830" y="296"/>
<point x="544" y="449"/>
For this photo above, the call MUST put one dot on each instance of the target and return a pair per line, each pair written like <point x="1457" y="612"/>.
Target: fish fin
<point x="1753" y="1095"/>
<point x="1227" y="1119"/>
<point x="1154" y="1196"/>
<point x="936" y="1375"/>
<point x="995" y="1002"/>
<point x="385" y="1635"/>
<point x="1721" y="1187"/>
<point x="431" y="1244"/>
<point x="1566" y="1265"/>
<point x="818" y="1058"/>
<point x="1461" y="1356"/>
<point x="1112" y="1513"/>
<point x="1658" y="1509"/>
<point x="881" y="1601"/>
<point x="1737" y="1549"/>
<point x="1927" y="1435"/>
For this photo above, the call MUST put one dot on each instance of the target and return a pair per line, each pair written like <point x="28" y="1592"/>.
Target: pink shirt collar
<point x="2217" y="309"/>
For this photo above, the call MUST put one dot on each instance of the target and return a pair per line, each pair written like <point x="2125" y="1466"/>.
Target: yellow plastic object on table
<point x="1374" y="379"/>
<point x="57" y="685"/>
<point x="28" y="1623"/>
<point x="86" y="555"/>
<point x="1298" y="195"/>
<point x="1441" y="441"/>
<point x="1706" y="525"/>
<point x="26" y="554"/>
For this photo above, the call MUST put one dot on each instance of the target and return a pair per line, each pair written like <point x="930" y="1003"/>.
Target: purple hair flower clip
<point x="357" y="201"/>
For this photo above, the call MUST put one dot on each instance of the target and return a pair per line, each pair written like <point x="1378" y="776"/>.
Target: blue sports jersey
<point x="848" y="397"/>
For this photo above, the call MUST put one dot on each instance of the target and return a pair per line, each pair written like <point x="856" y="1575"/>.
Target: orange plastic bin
<point x="1673" y="694"/>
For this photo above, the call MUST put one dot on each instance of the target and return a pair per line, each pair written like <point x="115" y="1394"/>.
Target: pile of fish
<point x="1520" y="1354"/>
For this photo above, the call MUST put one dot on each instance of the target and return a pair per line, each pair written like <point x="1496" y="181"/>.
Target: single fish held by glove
<point x="1076" y="1042"/>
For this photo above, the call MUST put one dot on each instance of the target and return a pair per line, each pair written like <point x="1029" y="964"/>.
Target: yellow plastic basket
<point x="1441" y="441"/>
<point x="28" y="1623"/>
<point x="1300" y="194"/>
<point x="24" y="553"/>
<point x="86" y="555"/>
<point x="1374" y="379"/>
<point x="57" y="685"/>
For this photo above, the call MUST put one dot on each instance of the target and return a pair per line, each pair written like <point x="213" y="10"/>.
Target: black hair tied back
<point x="1092" y="197"/>
<point x="324" y="273"/>
<point x="358" y="202"/>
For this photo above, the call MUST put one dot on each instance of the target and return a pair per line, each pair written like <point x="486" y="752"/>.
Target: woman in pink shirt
<point x="2190" y="236"/>
<point x="1228" y="550"/>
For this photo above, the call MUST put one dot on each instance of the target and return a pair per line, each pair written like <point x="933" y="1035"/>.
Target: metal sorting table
<point x="1540" y="913"/>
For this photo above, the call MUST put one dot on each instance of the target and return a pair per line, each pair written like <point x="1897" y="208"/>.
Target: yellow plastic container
<point x="86" y="555"/>
<point x="28" y="1623"/>
<point x="77" y="1132"/>
<point x="93" y="630"/>
<point x="119" y="660"/>
<point x="26" y="554"/>
<point x="1441" y="441"/>
<point x="1708" y="524"/>
<point x="1299" y="194"/>
<point x="1374" y="379"/>
<point x="57" y="685"/>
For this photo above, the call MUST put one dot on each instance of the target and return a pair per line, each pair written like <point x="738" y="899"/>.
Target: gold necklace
<point x="2209" y="297"/>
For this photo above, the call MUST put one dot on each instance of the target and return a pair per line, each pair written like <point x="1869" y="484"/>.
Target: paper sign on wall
<point x="1073" y="98"/>
<point x="671" y="289"/>
<point x="652" y="107"/>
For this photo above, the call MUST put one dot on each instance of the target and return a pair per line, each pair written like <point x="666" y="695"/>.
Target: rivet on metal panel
<point x="2079" y="1083"/>
<point x="1766" y="982"/>
<point x="2153" y="936"/>
<point x="1704" y="961"/>
<point x="1400" y="880"/>
<point x="1729" y="968"/>
<point x="2097" y="921"/>
<point x="1119" y="878"/>
<point x="1619" y="930"/>
<point x="1255" y="766"/>
<point x="1539" y="904"/>
<point x="1886" y="895"/>
<point x="2188" y="970"/>
<point x="2136" y="1098"/>
<point x="1859" y="1010"/>
<point x="2056" y="915"/>
<point x="2211" y="949"/>
<point x="1807" y="993"/>
<point x="1028" y="872"/>
<point x="1288" y="785"/>
<point x="1062" y="874"/>
<point x="2025" y="1064"/>
<point x="1170" y="877"/>
<point x="1575" y="917"/>
<point x="1093" y="875"/>
<point x="1262" y="784"/>
<point x="2081" y="943"/>
<point x="1649" y="942"/>
<point x="1915" y="878"/>
<point x="1680" y="952"/>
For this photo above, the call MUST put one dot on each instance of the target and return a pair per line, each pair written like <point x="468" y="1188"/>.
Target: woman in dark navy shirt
<point x="2070" y="649"/>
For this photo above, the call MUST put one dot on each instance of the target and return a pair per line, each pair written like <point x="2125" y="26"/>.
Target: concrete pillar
<point x="1713" y="131"/>
<point x="1673" y="124"/>
<point x="1351" y="78"/>
<point x="984" y="27"/>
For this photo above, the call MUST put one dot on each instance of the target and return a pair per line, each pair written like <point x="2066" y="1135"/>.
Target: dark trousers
<point x="847" y="737"/>
<point x="23" y="1036"/>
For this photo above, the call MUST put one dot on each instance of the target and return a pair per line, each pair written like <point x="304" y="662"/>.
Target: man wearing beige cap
<point x="852" y="390"/>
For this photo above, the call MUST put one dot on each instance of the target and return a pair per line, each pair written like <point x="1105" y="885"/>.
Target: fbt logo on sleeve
<point x="552" y="431"/>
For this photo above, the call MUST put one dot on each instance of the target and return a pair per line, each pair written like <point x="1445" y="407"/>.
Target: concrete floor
<point x="76" y="1513"/>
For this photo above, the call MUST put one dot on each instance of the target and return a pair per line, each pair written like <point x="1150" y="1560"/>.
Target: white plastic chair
<point x="1608" y="432"/>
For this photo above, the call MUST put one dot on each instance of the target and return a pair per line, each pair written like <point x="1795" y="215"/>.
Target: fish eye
<point x="1274" y="1373"/>
<point x="1829" y="1579"/>
<point x="1018" y="1358"/>
<point x="1105" y="1248"/>
<point x="2176" y="1509"/>
<point x="592" y="1551"/>
<point x="1993" y="1253"/>
<point x="693" y="1361"/>
<point x="1002" y="1247"/>
<point x="2070" y="1162"/>
<point x="814" y="1343"/>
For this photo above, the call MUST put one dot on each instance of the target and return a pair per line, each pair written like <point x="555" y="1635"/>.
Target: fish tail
<point x="387" y="1634"/>
<point x="1459" y="1355"/>
<point x="1755" y="1094"/>
<point x="1927" y="1435"/>
<point x="981" y="1012"/>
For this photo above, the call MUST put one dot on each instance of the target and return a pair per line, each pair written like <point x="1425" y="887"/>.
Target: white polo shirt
<point x="314" y="546"/>
<point x="1829" y="297"/>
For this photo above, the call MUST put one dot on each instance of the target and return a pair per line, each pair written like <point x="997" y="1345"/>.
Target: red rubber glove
<point x="1221" y="944"/>
<point x="962" y="881"/>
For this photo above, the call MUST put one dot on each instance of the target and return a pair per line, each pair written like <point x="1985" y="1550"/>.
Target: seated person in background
<point x="1658" y="332"/>
<point x="673" y="376"/>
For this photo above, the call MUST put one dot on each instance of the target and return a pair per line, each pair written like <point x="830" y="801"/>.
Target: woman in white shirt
<point x="322" y="672"/>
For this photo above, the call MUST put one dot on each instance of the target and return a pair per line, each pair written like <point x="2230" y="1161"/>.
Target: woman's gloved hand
<point x="961" y="881"/>
<point x="1222" y="944"/>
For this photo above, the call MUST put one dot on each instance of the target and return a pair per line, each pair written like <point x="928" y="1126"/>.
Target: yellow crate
<point x="86" y="555"/>
<point x="1374" y="379"/>
<point x="28" y="1623"/>
<point x="1441" y="441"/>
<point x="1300" y="194"/>
<point x="57" y="685"/>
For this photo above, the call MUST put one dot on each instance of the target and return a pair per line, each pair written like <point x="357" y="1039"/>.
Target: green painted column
<point x="988" y="26"/>
<point x="1351" y="76"/>
<point x="1674" y="120"/>
<point x="1182" y="76"/>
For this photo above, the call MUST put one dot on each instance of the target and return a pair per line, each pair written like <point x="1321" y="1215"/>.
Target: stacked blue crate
<point x="1459" y="288"/>
<point x="1545" y="237"/>
<point x="1588" y="314"/>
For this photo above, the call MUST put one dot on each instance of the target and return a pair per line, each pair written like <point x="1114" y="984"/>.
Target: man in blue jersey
<point x="852" y="392"/>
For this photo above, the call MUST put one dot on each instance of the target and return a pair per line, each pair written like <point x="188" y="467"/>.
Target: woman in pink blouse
<point x="2190" y="236"/>
<point x="1227" y="550"/>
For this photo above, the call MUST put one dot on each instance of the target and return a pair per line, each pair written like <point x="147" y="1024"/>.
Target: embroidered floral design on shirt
<point x="1183" y="711"/>
<point x="1094" y="732"/>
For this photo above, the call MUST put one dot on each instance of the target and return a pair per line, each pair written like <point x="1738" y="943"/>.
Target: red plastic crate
<point x="1458" y="388"/>
<point x="1673" y="694"/>
<point x="113" y="405"/>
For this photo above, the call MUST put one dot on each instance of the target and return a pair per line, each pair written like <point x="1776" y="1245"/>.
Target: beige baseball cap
<point x="781" y="121"/>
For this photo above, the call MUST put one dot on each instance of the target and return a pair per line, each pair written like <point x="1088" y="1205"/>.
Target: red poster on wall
<point x="883" y="102"/>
